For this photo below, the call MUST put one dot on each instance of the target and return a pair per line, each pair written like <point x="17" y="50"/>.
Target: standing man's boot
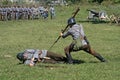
<point x="98" y="56"/>
<point x="69" y="58"/>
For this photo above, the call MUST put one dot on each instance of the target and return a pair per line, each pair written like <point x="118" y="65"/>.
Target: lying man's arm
<point x="32" y="62"/>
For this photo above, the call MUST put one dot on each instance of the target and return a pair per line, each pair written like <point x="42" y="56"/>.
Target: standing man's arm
<point x="64" y="35"/>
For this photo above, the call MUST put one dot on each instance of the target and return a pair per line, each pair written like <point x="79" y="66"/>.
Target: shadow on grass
<point x="76" y="61"/>
<point x="93" y="22"/>
<point x="94" y="62"/>
<point x="51" y="66"/>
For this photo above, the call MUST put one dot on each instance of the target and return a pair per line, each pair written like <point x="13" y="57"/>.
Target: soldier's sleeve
<point x="66" y="34"/>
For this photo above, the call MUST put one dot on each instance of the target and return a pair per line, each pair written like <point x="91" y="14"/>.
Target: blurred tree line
<point x="5" y="2"/>
<point x="94" y="1"/>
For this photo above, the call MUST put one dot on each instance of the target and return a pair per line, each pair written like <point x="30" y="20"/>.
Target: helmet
<point x="71" y="21"/>
<point x="20" y="56"/>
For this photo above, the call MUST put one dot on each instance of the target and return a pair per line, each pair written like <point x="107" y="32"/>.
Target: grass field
<point x="16" y="36"/>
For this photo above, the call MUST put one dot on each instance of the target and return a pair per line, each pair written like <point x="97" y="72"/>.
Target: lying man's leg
<point x="56" y="57"/>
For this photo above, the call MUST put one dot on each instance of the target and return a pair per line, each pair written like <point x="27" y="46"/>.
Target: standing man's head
<point x="71" y="21"/>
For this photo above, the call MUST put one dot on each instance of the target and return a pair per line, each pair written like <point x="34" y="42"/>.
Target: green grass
<point x="16" y="36"/>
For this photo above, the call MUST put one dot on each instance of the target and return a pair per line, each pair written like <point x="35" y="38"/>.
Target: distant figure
<point x="92" y="14"/>
<point x="0" y="13"/>
<point x="45" y="13"/>
<point x="52" y="12"/>
<point x="35" y="12"/>
<point x="41" y="10"/>
<point x="101" y="15"/>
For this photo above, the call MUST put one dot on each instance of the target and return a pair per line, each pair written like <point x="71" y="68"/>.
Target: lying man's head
<point x="20" y="56"/>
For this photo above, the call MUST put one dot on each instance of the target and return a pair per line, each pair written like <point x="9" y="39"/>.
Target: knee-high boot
<point x="98" y="56"/>
<point x="69" y="58"/>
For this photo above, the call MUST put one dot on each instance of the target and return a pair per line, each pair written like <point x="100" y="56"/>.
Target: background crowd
<point x="26" y="12"/>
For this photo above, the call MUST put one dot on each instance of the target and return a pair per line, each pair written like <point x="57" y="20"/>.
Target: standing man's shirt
<point x="77" y="32"/>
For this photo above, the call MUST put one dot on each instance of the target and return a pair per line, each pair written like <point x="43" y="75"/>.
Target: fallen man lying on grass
<point x="32" y="56"/>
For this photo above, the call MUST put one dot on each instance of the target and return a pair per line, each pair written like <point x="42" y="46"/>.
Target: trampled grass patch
<point x="16" y="36"/>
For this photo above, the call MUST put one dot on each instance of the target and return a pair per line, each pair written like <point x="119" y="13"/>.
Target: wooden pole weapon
<point x="75" y="13"/>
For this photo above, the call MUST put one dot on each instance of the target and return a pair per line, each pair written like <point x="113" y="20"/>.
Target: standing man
<point x="52" y="12"/>
<point x="41" y="11"/>
<point x="35" y="12"/>
<point x="0" y="13"/>
<point x="79" y="42"/>
<point x="45" y="13"/>
<point x="4" y="13"/>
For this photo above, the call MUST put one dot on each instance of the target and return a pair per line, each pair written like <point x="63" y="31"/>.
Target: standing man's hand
<point x="61" y="34"/>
